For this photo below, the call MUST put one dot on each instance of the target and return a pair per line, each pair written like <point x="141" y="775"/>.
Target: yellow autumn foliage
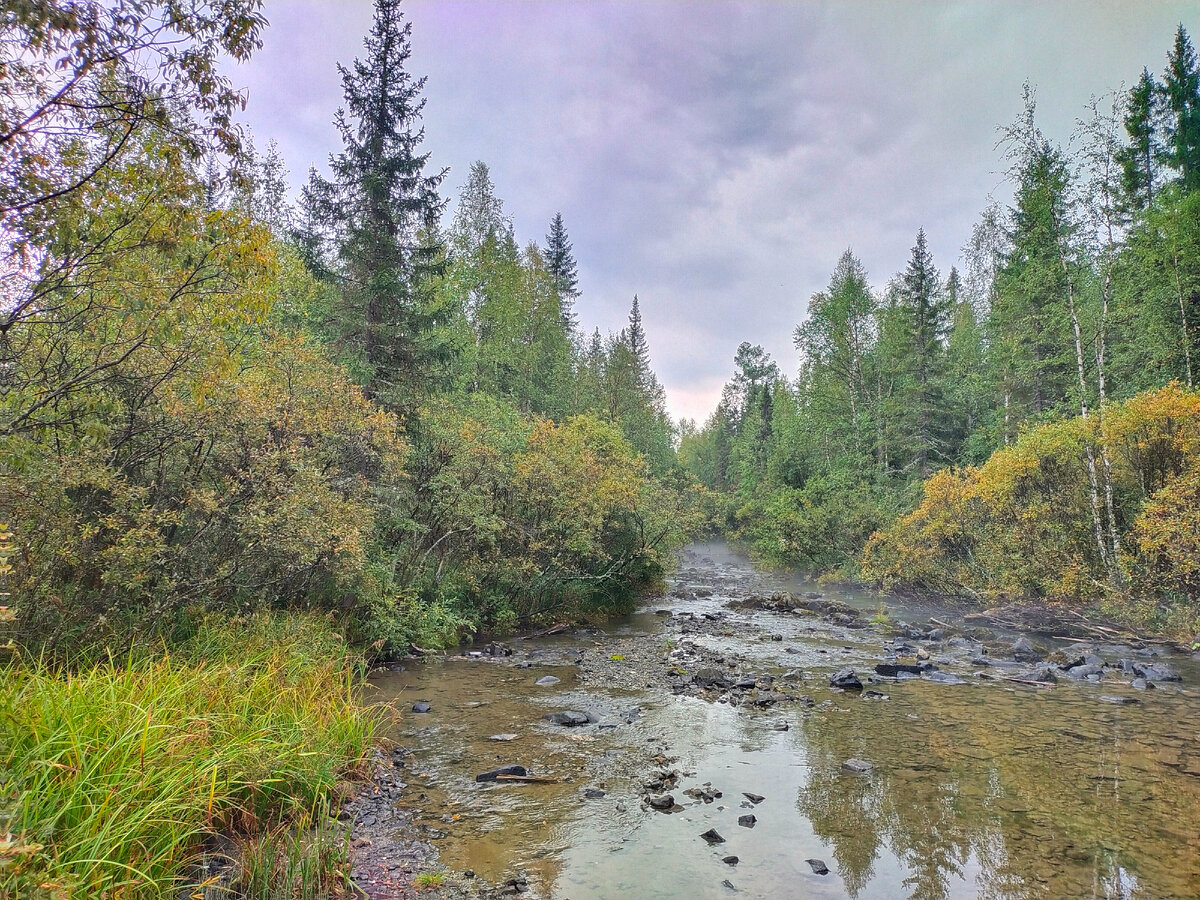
<point x="1021" y="524"/>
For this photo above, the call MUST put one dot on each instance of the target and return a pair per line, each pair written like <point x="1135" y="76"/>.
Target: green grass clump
<point x="123" y="777"/>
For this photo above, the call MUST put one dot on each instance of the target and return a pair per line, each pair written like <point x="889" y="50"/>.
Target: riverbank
<point x="732" y="684"/>
<point x="205" y="771"/>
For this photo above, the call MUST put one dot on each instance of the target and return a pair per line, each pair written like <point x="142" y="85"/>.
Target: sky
<point x="717" y="158"/>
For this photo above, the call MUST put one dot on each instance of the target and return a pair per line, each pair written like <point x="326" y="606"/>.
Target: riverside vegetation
<point x="247" y="445"/>
<point x="240" y="438"/>
<point x="1027" y="429"/>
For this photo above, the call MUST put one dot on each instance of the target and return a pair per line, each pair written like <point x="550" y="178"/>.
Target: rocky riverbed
<point x="754" y="734"/>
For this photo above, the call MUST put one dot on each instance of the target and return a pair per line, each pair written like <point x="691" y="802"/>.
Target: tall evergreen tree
<point x="560" y="263"/>
<point x="1181" y="96"/>
<point x="928" y="322"/>
<point x="1141" y="158"/>
<point x="379" y="211"/>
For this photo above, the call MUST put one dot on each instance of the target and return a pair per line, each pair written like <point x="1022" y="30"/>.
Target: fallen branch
<point x="1026" y="681"/>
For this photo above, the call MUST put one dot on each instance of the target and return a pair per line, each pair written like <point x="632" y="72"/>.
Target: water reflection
<point x="981" y="790"/>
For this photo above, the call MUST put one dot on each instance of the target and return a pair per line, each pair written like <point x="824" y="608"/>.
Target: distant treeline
<point x="1027" y="427"/>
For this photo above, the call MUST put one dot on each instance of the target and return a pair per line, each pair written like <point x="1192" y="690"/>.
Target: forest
<point x="1025" y="429"/>
<point x="252" y="445"/>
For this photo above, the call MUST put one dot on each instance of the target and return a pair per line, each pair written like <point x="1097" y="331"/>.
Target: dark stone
<point x="568" y="718"/>
<point x="503" y="770"/>
<point x="818" y="866"/>
<point x="713" y="837"/>
<point x="745" y="683"/>
<point x="846" y="680"/>
<point x="711" y="678"/>
<point x="857" y="766"/>
<point x="934" y="634"/>
<point x="666" y="801"/>
<point x="1024" y="651"/>
<point x="1081" y="673"/>
<point x="1120" y="701"/>
<point x="875" y="695"/>
<point x="592" y="793"/>
<point x="891" y="670"/>
<point x="546" y="681"/>
<point x="730" y="860"/>
<point x="1156" y="671"/>
<point x="747" y="821"/>
<point x="1141" y="684"/>
<point x="421" y="706"/>
<point x="753" y="798"/>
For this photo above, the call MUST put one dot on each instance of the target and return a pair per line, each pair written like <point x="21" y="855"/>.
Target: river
<point x="990" y="788"/>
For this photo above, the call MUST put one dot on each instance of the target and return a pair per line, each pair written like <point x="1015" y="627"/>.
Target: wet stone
<point x="568" y="718"/>
<point x="846" y="680"/>
<point x="818" y="866"/>
<point x="753" y="798"/>
<point x="503" y="770"/>
<point x="857" y="766"/>
<point x="421" y="706"/>
<point x="747" y="821"/>
<point x="731" y="860"/>
<point x="713" y="836"/>
<point x="666" y="801"/>
<point x="546" y="681"/>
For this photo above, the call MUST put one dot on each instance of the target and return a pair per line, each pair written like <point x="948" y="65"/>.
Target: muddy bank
<point x="828" y="748"/>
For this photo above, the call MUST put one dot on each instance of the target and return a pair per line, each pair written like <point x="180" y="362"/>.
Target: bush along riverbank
<point x="208" y="770"/>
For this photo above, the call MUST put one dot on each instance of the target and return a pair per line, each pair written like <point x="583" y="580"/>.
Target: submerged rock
<point x="568" y="718"/>
<point x="421" y="706"/>
<point x="503" y="770"/>
<point x="731" y="860"/>
<point x="753" y="798"/>
<point x="546" y="681"/>
<point x="818" y="866"/>
<point x="747" y="821"/>
<point x="857" y="766"/>
<point x="891" y="670"/>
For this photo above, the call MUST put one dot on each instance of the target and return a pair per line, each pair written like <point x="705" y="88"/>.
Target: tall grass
<point x="124" y="776"/>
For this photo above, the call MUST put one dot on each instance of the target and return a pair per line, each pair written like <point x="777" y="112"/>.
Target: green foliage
<point x="124" y="768"/>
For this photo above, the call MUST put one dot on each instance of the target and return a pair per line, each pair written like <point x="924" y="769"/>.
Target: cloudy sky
<point x="717" y="158"/>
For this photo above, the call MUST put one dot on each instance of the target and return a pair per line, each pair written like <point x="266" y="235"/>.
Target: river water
<point x="986" y="789"/>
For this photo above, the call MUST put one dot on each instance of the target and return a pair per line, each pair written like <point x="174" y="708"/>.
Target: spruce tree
<point x="560" y="262"/>
<point x="1181" y="96"/>
<point x="928" y="320"/>
<point x="1141" y="157"/>
<point x="379" y="212"/>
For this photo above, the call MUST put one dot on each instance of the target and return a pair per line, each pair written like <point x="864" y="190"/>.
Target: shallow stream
<point x="991" y="788"/>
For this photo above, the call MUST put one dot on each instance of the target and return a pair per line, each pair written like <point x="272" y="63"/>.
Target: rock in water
<point x="857" y="766"/>
<point x="846" y="680"/>
<point x="421" y="706"/>
<point x="730" y="860"/>
<point x="666" y="801"/>
<point x="503" y="770"/>
<point x="729" y="884"/>
<point x="1024" y="651"/>
<point x="546" y="680"/>
<point x="713" y="837"/>
<point x="943" y="678"/>
<point x="818" y="866"/>
<point x="753" y="798"/>
<point x="592" y="793"/>
<point x="891" y="670"/>
<point x="747" y="821"/>
<point x="568" y="718"/>
<point x="503" y="737"/>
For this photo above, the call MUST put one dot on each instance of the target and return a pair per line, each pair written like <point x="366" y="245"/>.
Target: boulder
<point x="1024" y="651"/>
<point x="747" y="821"/>
<point x="846" y="680"/>
<point x="666" y="801"/>
<point x="421" y="706"/>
